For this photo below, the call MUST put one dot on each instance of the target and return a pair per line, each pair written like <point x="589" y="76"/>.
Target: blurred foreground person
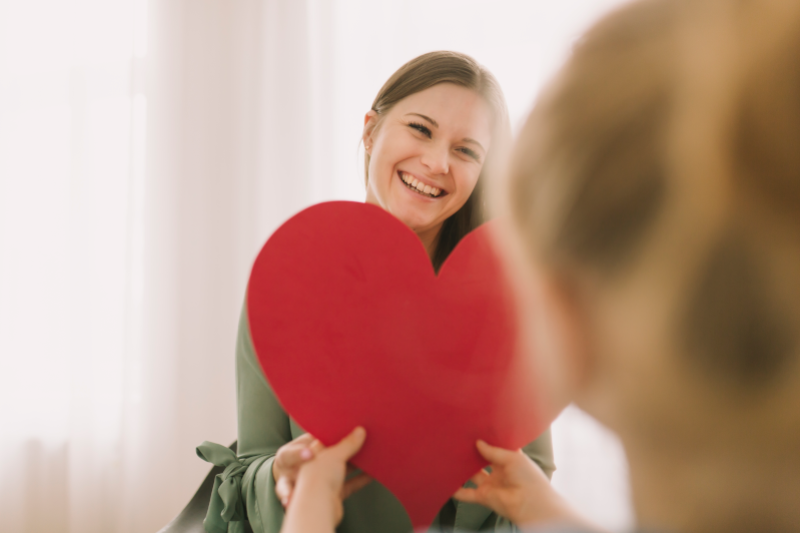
<point x="653" y="201"/>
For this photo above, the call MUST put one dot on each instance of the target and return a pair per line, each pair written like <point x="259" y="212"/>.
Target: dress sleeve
<point x="245" y="491"/>
<point x="541" y="452"/>
<point x="263" y="428"/>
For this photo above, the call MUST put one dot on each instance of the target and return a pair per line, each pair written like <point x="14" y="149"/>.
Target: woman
<point x="653" y="198"/>
<point x="433" y="131"/>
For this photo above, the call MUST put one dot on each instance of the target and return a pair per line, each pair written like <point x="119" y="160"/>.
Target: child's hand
<point x="517" y="489"/>
<point x="322" y="485"/>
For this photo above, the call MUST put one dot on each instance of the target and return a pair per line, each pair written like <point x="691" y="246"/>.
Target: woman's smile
<point x="420" y="186"/>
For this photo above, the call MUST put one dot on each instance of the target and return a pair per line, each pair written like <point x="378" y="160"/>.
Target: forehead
<point x="457" y="110"/>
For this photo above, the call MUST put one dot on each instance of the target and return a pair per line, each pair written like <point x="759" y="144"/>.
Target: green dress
<point x="245" y="491"/>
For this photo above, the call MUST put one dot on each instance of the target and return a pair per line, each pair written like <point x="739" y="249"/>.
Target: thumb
<point x="468" y="496"/>
<point x="495" y="455"/>
<point x="350" y="445"/>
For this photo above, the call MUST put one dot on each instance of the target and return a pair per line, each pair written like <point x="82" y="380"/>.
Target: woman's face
<point x="426" y="154"/>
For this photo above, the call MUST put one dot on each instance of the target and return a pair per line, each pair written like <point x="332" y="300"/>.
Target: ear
<point x="370" y="121"/>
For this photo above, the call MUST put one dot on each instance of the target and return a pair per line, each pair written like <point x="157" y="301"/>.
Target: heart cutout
<point x="353" y="327"/>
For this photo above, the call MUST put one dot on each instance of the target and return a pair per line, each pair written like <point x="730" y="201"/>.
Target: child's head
<point x="655" y="199"/>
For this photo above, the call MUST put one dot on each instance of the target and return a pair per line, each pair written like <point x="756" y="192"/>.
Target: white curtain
<point x="147" y="149"/>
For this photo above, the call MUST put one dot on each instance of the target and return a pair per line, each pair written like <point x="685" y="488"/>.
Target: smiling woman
<point x="429" y="137"/>
<point x="424" y="172"/>
<point x="433" y="130"/>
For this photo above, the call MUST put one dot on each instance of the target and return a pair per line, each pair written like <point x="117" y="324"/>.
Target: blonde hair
<point x="596" y="167"/>
<point x="432" y="69"/>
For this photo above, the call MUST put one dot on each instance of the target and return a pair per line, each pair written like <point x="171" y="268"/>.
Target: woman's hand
<point x="287" y="464"/>
<point x="322" y="485"/>
<point x="517" y="489"/>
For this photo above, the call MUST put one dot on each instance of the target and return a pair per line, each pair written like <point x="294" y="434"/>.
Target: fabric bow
<point x="226" y="512"/>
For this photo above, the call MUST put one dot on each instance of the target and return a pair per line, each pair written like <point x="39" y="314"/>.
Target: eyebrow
<point x="436" y="125"/>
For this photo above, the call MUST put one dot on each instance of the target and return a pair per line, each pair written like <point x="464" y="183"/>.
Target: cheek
<point x="466" y="180"/>
<point x="382" y="162"/>
<point x="378" y="171"/>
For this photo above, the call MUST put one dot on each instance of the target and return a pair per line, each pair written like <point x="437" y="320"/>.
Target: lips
<point x="419" y="187"/>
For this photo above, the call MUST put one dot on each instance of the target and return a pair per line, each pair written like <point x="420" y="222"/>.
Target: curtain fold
<point x="228" y="161"/>
<point x="141" y="172"/>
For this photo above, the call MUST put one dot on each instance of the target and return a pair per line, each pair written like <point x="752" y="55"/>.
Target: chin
<point x="419" y="218"/>
<point x="416" y="223"/>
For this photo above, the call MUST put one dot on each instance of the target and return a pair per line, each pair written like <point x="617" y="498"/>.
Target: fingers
<point x="467" y="495"/>
<point x="289" y="458"/>
<point x="315" y="447"/>
<point x="296" y="454"/>
<point x="293" y="456"/>
<point x="354" y="484"/>
<point x="305" y="438"/>
<point x="303" y="446"/>
<point x="495" y="455"/>
<point x="470" y="495"/>
<point x="479" y="477"/>
<point x="283" y="489"/>
<point x="349" y="446"/>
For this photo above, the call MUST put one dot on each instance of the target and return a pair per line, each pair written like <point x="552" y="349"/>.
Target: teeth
<point x="419" y="186"/>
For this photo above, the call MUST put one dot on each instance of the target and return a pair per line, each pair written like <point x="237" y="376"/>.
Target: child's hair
<point x="424" y="72"/>
<point x="660" y="140"/>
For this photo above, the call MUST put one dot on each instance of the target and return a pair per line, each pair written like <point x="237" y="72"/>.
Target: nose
<point x="437" y="158"/>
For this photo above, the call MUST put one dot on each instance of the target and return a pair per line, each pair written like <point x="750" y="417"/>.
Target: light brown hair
<point x="432" y="69"/>
<point x="596" y="169"/>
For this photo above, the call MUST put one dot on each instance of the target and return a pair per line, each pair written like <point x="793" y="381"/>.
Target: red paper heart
<point x="353" y="327"/>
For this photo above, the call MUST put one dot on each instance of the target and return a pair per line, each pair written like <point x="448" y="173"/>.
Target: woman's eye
<point x="471" y="153"/>
<point x="420" y="128"/>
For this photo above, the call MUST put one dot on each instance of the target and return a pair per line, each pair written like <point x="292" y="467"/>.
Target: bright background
<point x="147" y="150"/>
